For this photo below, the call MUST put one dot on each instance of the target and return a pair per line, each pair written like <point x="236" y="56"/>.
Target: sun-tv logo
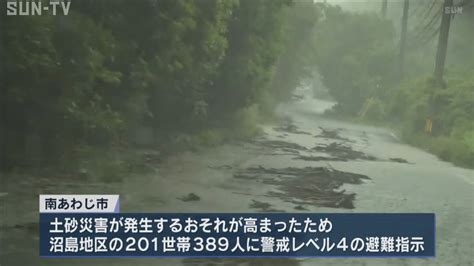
<point x="38" y="8"/>
<point x="453" y="10"/>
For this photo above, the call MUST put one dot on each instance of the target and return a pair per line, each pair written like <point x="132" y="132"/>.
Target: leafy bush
<point x="449" y="106"/>
<point x="171" y="65"/>
<point x="246" y="122"/>
<point x="376" y="111"/>
<point x="210" y="137"/>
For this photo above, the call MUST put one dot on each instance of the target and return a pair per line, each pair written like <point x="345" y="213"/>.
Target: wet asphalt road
<point x="424" y="184"/>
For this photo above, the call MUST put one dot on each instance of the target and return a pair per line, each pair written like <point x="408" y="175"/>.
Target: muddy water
<point x="400" y="178"/>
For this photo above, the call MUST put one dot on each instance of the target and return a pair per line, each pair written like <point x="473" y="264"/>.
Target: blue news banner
<point x="237" y="235"/>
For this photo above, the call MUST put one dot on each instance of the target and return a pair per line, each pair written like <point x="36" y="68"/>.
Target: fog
<point x="240" y="106"/>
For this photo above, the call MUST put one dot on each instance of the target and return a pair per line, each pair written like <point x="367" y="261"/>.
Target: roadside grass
<point x="456" y="149"/>
<point x="447" y="149"/>
<point x="433" y="116"/>
<point x="244" y="124"/>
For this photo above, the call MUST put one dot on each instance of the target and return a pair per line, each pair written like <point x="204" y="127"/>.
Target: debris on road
<point x="318" y="158"/>
<point x="190" y="197"/>
<point x="309" y="185"/>
<point x="300" y="208"/>
<point x="290" y="128"/>
<point x="263" y="206"/>
<point x="398" y="160"/>
<point x="331" y="134"/>
<point x="220" y="167"/>
<point x="281" y="145"/>
<point x="343" y="152"/>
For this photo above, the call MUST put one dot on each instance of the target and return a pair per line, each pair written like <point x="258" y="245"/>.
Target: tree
<point x="109" y="67"/>
<point x="296" y="62"/>
<point x="355" y="56"/>
<point x="255" y="38"/>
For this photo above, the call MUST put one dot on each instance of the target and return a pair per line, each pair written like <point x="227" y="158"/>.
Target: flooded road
<point x="375" y="172"/>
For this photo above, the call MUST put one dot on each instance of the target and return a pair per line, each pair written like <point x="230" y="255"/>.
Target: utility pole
<point x="403" y="40"/>
<point x="443" y="41"/>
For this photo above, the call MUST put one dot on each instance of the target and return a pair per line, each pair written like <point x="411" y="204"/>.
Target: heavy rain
<point x="224" y="106"/>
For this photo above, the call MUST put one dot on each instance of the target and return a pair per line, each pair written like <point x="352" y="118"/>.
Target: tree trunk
<point x="403" y="38"/>
<point x="443" y="41"/>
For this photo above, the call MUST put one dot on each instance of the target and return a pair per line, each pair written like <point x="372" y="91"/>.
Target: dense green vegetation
<point x="357" y="57"/>
<point x="451" y="109"/>
<point x="198" y="72"/>
<point x="195" y="71"/>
